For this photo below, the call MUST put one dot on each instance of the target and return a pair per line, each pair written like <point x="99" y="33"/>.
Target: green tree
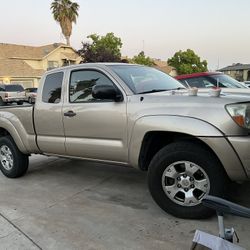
<point x="101" y="49"/>
<point x="141" y="58"/>
<point x="65" y="13"/>
<point x="187" y="62"/>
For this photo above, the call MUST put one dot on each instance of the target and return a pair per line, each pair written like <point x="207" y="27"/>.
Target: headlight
<point x="240" y="114"/>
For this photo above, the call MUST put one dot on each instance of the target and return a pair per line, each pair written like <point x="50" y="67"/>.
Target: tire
<point x="177" y="172"/>
<point x="1" y="102"/>
<point x="9" y="153"/>
<point x="29" y="100"/>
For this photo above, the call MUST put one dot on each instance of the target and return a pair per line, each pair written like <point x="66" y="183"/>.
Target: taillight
<point x="6" y="95"/>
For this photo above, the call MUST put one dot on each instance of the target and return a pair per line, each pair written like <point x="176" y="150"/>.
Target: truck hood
<point x="244" y="92"/>
<point x="178" y="103"/>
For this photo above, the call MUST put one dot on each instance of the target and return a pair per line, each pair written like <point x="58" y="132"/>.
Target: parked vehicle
<point x="247" y="83"/>
<point x="134" y="116"/>
<point x="10" y="93"/>
<point x="209" y="80"/>
<point x="206" y="80"/>
<point x="30" y="94"/>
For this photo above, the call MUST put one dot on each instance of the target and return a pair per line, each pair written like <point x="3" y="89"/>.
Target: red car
<point x="208" y="80"/>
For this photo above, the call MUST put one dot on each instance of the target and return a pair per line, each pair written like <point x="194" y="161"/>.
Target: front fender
<point x="206" y="132"/>
<point x="177" y="124"/>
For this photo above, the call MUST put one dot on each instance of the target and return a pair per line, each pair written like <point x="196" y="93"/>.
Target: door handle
<point x="70" y="113"/>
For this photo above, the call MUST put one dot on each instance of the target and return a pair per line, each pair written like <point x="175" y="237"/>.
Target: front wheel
<point x="181" y="175"/>
<point x="13" y="163"/>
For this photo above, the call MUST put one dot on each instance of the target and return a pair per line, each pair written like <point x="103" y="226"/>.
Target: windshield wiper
<point x="179" y="88"/>
<point x="153" y="91"/>
<point x="159" y="90"/>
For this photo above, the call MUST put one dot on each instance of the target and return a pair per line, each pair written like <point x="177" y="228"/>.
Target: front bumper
<point x="242" y="148"/>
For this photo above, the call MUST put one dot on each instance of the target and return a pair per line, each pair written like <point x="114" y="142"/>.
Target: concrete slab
<point x="65" y="204"/>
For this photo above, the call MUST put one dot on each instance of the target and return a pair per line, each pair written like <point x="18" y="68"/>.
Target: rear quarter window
<point x="52" y="88"/>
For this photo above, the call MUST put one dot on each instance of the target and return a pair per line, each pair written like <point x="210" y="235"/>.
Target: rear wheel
<point x="13" y="163"/>
<point x="181" y="175"/>
<point x="1" y="102"/>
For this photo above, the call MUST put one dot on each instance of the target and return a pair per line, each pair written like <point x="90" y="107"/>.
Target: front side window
<point x="82" y="82"/>
<point x="52" y="88"/>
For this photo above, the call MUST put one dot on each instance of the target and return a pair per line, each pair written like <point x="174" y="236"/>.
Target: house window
<point x="68" y="62"/>
<point x="53" y="64"/>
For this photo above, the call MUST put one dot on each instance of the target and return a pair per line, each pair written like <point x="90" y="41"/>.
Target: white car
<point x="10" y="93"/>
<point x="247" y="83"/>
<point x="30" y="94"/>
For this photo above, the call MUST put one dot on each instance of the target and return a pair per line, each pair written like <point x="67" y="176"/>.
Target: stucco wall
<point x="56" y="55"/>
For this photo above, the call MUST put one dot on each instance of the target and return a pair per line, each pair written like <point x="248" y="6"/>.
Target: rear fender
<point x="19" y="134"/>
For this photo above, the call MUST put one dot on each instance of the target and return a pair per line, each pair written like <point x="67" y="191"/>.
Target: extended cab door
<point x="48" y="115"/>
<point x="95" y="129"/>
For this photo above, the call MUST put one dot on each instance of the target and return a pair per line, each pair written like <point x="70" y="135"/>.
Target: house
<point x="238" y="71"/>
<point x="164" y="67"/>
<point x="26" y="64"/>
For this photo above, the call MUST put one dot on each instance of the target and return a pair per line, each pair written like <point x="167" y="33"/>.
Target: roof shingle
<point x="26" y="52"/>
<point x="237" y="66"/>
<point x="17" y="68"/>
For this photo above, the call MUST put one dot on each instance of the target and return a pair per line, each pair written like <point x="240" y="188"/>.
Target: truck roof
<point x="197" y="75"/>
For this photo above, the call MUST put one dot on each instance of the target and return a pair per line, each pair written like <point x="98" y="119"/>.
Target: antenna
<point x="218" y="63"/>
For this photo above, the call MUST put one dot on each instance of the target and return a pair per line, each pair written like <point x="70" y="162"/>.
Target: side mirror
<point x="106" y="92"/>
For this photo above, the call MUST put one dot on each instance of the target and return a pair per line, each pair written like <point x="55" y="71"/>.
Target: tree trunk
<point x="68" y="40"/>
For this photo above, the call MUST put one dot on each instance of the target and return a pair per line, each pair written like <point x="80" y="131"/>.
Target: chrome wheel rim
<point x="6" y="157"/>
<point x="185" y="183"/>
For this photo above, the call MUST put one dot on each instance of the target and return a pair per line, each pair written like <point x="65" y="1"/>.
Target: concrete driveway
<point x="66" y="204"/>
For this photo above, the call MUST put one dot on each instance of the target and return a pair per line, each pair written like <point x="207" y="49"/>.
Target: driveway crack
<point x="20" y="231"/>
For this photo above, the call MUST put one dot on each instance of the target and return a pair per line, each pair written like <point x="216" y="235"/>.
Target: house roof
<point x="163" y="66"/>
<point x="26" y="52"/>
<point x="237" y="66"/>
<point x="17" y="68"/>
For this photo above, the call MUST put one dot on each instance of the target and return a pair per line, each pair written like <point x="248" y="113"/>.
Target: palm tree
<point x="65" y="13"/>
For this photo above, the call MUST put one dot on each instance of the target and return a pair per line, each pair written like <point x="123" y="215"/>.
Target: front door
<point x="95" y="129"/>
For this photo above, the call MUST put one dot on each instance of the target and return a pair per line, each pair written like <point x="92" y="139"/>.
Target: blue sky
<point x="218" y="30"/>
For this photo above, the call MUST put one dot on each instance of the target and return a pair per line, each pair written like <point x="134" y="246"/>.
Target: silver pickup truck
<point x="137" y="116"/>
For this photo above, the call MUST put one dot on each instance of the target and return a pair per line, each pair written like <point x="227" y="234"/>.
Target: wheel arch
<point x="7" y="128"/>
<point x="148" y="138"/>
<point x="154" y="141"/>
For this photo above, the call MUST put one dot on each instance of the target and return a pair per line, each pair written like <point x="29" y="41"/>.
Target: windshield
<point x="13" y="88"/>
<point x="209" y="81"/>
<point x="142" y="79"/>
